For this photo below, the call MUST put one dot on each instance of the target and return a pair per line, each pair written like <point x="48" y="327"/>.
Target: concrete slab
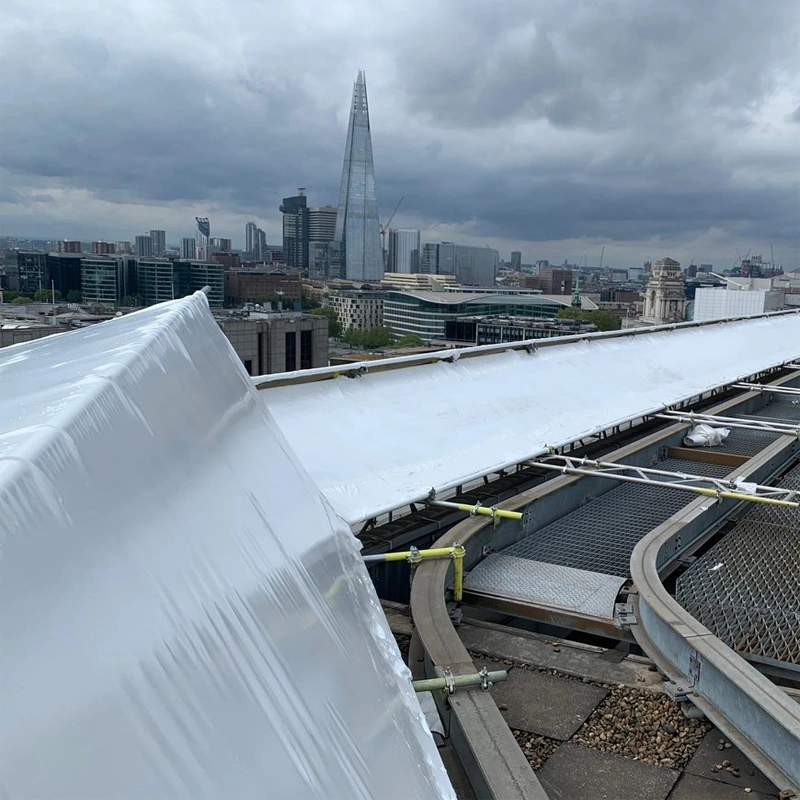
<point x="574" y="772"/>
<point x="693" y="787"/>
<point x="708" y="755"/>
<point x="544" y="704"/>
<point x="569" y="660"/>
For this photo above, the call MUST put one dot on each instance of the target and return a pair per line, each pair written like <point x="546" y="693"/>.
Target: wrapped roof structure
<point x="386" y="438"/>
<point x="183" y="615"/>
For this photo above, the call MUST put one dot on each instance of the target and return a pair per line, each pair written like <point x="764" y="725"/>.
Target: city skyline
<point x="640" y="127"/>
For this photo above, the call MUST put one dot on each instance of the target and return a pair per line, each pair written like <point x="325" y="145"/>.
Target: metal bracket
<point x="449" y="680"/>
<point x="676" y="692"/>
<point x="694" y="667"/>
<point x="624" y="616"/>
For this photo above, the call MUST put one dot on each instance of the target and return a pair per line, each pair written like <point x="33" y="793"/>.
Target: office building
<point x="64" y="272"/>
<point x="502" y="330"/>
<point x="188" y="247"/>
<point x="161" y="279"/>
<point x="281" y="342"/>
<point x="143" y="246"/>
<point x="404" y="247"/>
<point x="257" y="285"/>
<point x="742" y="297"/>
<point x="124" y="248"/>
<point x="358" y="247"/>
<point x="295" y="230"/>
<point x="220" y="245"/>
<point x="418" y="280"/>
<point x="158" y="243"/>
<point x="32" y="268"/>
<point x="427" y="313"/>
<point x="203" y="237"/>
<point x="250" y="237"/>
<point x="102" y="280"/>
<point x="552" y="280"/>
<point x="321" y="224"/>
<point x="472" y="266"/>
<point x="69" y="246"/>
<point x="516" y="260"/>
<point x="360" y="311"/>
<point x="101" y="248"/>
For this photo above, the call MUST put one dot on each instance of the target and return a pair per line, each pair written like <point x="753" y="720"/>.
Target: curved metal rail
<point x="756" y="715"/>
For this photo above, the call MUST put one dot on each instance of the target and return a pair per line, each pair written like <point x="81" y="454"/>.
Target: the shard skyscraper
<point x="357" y="238"/>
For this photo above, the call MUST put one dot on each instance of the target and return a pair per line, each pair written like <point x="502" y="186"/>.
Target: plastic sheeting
<point x="385" y="439"/>
<point x="182" y="613"/>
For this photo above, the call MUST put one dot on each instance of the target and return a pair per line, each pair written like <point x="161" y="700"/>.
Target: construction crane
<point x="385" y="229"/>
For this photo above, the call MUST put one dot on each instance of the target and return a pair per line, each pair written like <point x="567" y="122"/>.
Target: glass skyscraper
<point x="357" y="235"/>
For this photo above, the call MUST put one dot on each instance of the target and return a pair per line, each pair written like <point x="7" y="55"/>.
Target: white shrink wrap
<point x="181" y="613"/>
<point x="386" y="438"/>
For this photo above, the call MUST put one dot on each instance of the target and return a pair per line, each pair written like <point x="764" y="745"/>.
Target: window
<point x="291" y="352"/>
<point x="305" y="350"/>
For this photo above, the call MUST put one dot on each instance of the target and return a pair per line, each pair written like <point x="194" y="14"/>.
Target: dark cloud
<point x="517" y="122"/>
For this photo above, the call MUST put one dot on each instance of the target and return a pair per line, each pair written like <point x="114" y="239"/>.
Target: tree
<point x="45" y="295"/>
<point x="10" y="295"/>
<point x="21" y="300"/>
<point x="377" y="338"/>
<point x="334" y="326"/>
<point x="604" y="320"/>
<point x="132" y="300"/>
<point x="74" y="296"/>
<point x="309" y="303"/>
<point x="409" y="340"/>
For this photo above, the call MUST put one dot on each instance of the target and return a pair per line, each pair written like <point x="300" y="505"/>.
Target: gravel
<point x="642" y="725"/>
<point x="403" y="642"/>
<point x="537" y="749"/>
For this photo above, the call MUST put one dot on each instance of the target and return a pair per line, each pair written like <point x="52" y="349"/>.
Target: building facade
<point x="221" y="245"/>
<point x="188" y="247"/>
<point x="665" y="296"/>
<point x="358" y="248"/>
<point x="161" y="279"/>
<point x="102" y="280"/>
<point x="101" y="248"/>
<point x="203" y="237"/>
<point x="360" y="311"/>
<point x="143" y="246"/>
<point x="158" y="243"/>
<point x="427" y="313"/>
<point x="516" y="260"/>
<point x="500" y="330"/>
<point x="295" y="230"/>
<point x="271" y="343"/>
<point x="32" y="268"/>
<point x="252" y="286"/>
<point x="404" y="250"/>
<point x="68" y="246"/>
<point x="472" y="266"/>
<point x="727" y="302"/>
<point x="321" y="223"/>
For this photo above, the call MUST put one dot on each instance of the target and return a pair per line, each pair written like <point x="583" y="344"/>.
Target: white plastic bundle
<point x="705" y="436"/>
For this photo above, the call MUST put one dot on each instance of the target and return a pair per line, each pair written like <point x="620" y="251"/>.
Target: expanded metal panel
<point x="746" y="589"/>
<point x="600" y="535"/>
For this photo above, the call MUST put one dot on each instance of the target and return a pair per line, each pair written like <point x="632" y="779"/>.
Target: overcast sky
<point x="653" y="128"/>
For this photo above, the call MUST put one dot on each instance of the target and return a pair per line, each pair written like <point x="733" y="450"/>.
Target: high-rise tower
<point x="357" y="235"/>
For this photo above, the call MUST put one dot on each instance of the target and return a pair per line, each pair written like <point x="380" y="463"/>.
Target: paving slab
<point x="577" y="661"/>
<point x="708" y="755"/>
<point x="574" y="772"/>
<point x="542" y="703"/>
<point x="693" y="787"/>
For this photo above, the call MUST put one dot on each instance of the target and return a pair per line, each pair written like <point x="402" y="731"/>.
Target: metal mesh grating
<point x="600" y="536"/>
<point x="746" y="589"/>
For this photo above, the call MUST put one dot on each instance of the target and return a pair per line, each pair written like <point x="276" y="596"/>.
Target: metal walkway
<point x="578" y="563"/>
<point x="746" y="589"/>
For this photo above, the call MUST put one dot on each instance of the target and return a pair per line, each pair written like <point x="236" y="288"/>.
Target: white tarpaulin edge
<point x="183" y="616"/>
<point x="385" y="439"/>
